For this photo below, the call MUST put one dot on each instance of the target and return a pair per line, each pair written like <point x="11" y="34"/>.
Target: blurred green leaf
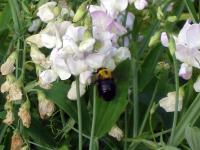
<point x="148" y="66"/>
<point x="64" y="147"/>
<point x="2" y="114"/>
<point x="191" y="9"/>
<point x="5" y="18"/>
<point x="192" y="135"/>
<point x="109" y="112"/>
<point x="2" y="147"/>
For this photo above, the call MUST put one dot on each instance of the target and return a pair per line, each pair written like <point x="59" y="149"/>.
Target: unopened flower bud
<point x="35" y="25"/>
<point x="9" y="118"/>
<point x="8" y="66"/>
<point x="88" y="22"/>
<point x="116" y="132"/>
<point x="172" y="18"/>
<point x="80" y="12"/>
<point x="172" y="46"/>
<point x="160" y="14"/>
<point x="45" y="106"/>
<point x="37" y="56"/>
<point x="15" y="92"/>
<point x="8" y="106"/>
<point x="155" y="39"/>
<point x="24" y="114"/>
<point x="5" y="86"/>
<point x="17" y="142"/>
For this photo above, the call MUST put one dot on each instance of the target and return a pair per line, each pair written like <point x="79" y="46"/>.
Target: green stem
<point x="79" y="113"/>
<point x="135" y="99"/>
<point x="151" y="128"/>
<point x="17" y="59"/>
<point x="63" y="120"/>
<point x="3" y="131"/>
<point x="149" y="108"/>
<point x="126" y="128"/>
<point x="177" y="99"/>
<point x="93" y="119"/>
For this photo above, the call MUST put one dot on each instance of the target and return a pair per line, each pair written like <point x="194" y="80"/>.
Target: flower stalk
<point x="79" y="114"/>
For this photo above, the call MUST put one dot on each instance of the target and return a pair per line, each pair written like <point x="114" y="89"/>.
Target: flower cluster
<point x="79" y="49"/>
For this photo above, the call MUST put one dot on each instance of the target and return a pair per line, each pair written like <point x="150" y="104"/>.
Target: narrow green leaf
<point x="190" y="117"/>
<point x="148" y="66"/>
<point x="109" y="112"/>
<point x="191" y="9"/>
<point x="2" y="114"/>
<point x="192" y="135"/>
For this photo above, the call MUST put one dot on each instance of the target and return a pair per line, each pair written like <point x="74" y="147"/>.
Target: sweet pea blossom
<point x="185" y="71"/>
<point x="168" y="103"/>
<point x="116" y="132"/>
<point x="139" y="4"/>
<point x="46" y="12"/>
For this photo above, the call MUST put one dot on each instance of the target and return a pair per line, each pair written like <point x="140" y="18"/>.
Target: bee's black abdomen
<point x="107" y="89"/>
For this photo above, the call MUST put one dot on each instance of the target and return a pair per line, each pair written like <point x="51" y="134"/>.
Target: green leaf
<point x="58" y="95"/>
<point x="2" y="115"/>
<point x="192" y="135"/>
<point x="64" y="147"/>
<point x="39" y="133"/>
<point x="2" y="147"/>
<point x="191" y="9"/>
<point x="5" y="18"/>
<point x="148" y="66"/>
<point x="190" y="117"/>
<point x="109" y="112"/>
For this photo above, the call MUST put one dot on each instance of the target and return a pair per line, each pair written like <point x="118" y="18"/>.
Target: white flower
<point x="36" y="40"/>
<point x="46" y="13"/>
<point x="185" y="71"/>
<point x="24" y="114"/>
<point x="95" y="60"/>
<point x="87" y="45"/>
<point x="35" y="25"/>
<point x="8" y="66"/>
<point x="15" y="92"/>
<point x="139" y="4"/>
<point x="164" y="39"/>
<point x="51" y="36"/>
<point x="114" y="7"/>
<point x="48" y="76"/>
<point x="122" y="54"/>
<point x="116" y="132"/>
<point x="36" y="55"/>
<point x="130" y="21"/>
<point x="187" y="44"/>
<point x="196" y="85"/>
<point x="72" y="95"/>
<point x="168" y="103"/>
<point x="85" y="77"/>
<point x="5" y="86"/>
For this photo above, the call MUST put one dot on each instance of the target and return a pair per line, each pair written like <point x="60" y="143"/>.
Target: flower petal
<point x="140" y="4"/>
<point x="95" y="60"/>
<point x="185" y="71"/>
<point x="48" y="76"/>
<point x="164" y="39"/>
<point x="72" y="94"/>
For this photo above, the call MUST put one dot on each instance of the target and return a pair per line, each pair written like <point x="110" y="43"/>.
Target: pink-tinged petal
<point x="188" y="55"/>
<point x="116" y="28"/>
<point x="164" y="39"/>
<point x="185" y="71"/>
<point x="182" y="34"/>
<point x="193" y="36"/>
<point x="101" y="20"/>
<point x="93" y="8"/>
<point x="140" y="4"/>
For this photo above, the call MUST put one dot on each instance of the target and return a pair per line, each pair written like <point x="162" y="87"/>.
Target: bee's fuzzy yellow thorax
<point x="104" y="74"/>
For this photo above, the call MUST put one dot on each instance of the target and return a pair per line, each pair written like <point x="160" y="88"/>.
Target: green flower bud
<point x="155" y="39"/>
<point x="160" y="14"/>
<point x="172" y="19"/>
<point x="172" y="46"/>
<point x="80" y="12"/>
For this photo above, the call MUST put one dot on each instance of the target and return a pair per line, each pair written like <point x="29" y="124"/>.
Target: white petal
<point x="49" y="41"/>
<point x="95" y="60"/>
<point x="168" y="103"/>
<point x="140" y="4"/>
<point x="45" y="12"/>
<point x="182" y="34"/>
<point x="130" y="21"/>
<point x="72" y="94"/>
<point x="35" y="25"/>
<point x="188" y="55"/>
<point x="185" y="71"/>
<point x="164" y="39"/>
<point x="93" y="8"/>
<point x="48" y="76"/>
<point x="109" y="63"/>
<point x="36" y="55"/>
<point x="35" y="39"/>
<point x="122" y="54"/>
<point x="196" y="85"/>
<point x="76" y="66"/>
<point x="75" y="33"/>
<point x="85" y="77"/>
<point x="193" y="36"/>
<point x="87" y="45"/>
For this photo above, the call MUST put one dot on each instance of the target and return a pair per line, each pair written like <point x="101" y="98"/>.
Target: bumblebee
<point x="105" y="84"/>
